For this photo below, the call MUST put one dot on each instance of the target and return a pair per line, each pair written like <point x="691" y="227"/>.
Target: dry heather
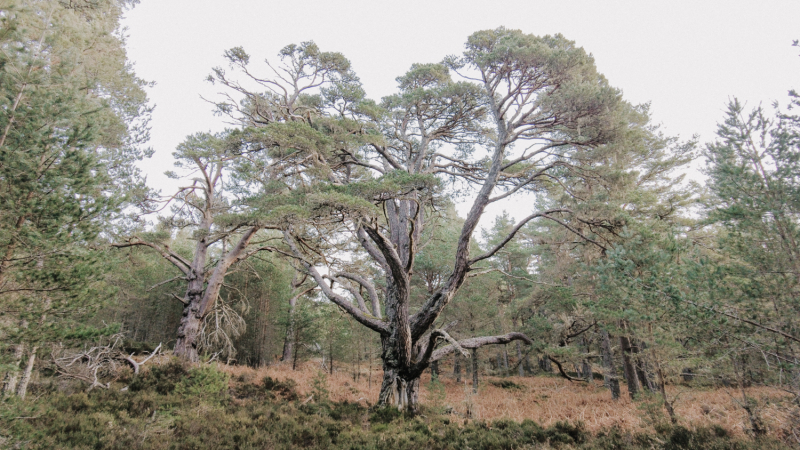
<point x="543" y="399"/>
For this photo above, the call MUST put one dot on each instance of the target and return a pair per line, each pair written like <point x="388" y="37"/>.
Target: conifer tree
<point x="73" y="116"/>
<point x="374" y="171"/>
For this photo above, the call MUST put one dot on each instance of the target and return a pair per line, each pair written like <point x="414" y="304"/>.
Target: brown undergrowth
<point x="544" y="399"/>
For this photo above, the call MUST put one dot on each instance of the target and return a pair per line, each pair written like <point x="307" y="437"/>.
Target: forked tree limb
<point x="434" y="305"/>
<point x="393" y="261"/>
<point x="351" y="289"/>
<point x="137" y="365"/>
<point x="425" y="358"/>
<point x="218" y="275"/>
<point x="371" y="291"/>
<point x="426" y="341"/>
<point x="177" y="260"/>
<point x="525" y="182"/>
<point x="478" y="342"/>
<point x="369" y="321"/>
<point x="373" y="251"/>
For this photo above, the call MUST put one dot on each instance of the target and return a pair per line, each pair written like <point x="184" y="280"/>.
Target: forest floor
<point x="174" y="405"/>
<point x="545" y="399"/>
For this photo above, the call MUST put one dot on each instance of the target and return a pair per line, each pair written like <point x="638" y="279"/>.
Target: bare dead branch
<point x="479" y="342"/>
<point x="137" y="365"/>
<point x="561" y="370"/>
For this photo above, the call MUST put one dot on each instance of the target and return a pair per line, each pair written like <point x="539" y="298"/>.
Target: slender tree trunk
<point x="263" y="349"/>
<point x="505" y="360"/>
<point x="546" y="365"/>
<point x="294" y="360"/>
<point x="5" y="264"/>
<point x="457" y="367"/>
<point x="22" y="389"/>
<point x="358" y="366"/>
<point x="12" y="377"/>
<point x="641" y="370"/>
<point x="627" y="364"/>
<point x="288" y="342"/>
<point x="609" y="370"/>
<point x="520" y="361"/>
<point x="475" y="370"/>
<point x="330" y="353"/>
<point x="756" y="425"/>
<point x="662" y="387"/>
<point x="586" y="368"/>
<point x="31" y="68"/>
<point x="526" y="363"/>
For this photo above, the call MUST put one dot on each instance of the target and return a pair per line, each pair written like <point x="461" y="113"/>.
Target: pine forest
<point x="330" y="271"/>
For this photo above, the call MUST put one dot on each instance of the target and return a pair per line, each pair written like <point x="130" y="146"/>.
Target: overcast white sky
<point x="685" y="57"/>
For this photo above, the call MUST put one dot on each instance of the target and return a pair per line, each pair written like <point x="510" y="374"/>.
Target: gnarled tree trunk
<point x="188" y="333"/>
<point x="399" y="392"/>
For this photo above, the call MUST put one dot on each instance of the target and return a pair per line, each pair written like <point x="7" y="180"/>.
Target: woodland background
<point x="612" y="276"/>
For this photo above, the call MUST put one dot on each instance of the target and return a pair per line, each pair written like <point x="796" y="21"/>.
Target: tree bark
<point x="188" y="333"/>
<point x="627" y="364"/>
<point x="457" y="367"/>
<point x="641" y="368"/>
<point x="398" y="392"/>
<point x="22" y="389"/>
<point x="545" y="365"/>
<point x="520" y="361"/>
<point x="586" y="368"/>
<point x="609" y="370"/>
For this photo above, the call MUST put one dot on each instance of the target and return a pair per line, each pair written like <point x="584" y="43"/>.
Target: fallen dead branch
<point x="98" y="365"/>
